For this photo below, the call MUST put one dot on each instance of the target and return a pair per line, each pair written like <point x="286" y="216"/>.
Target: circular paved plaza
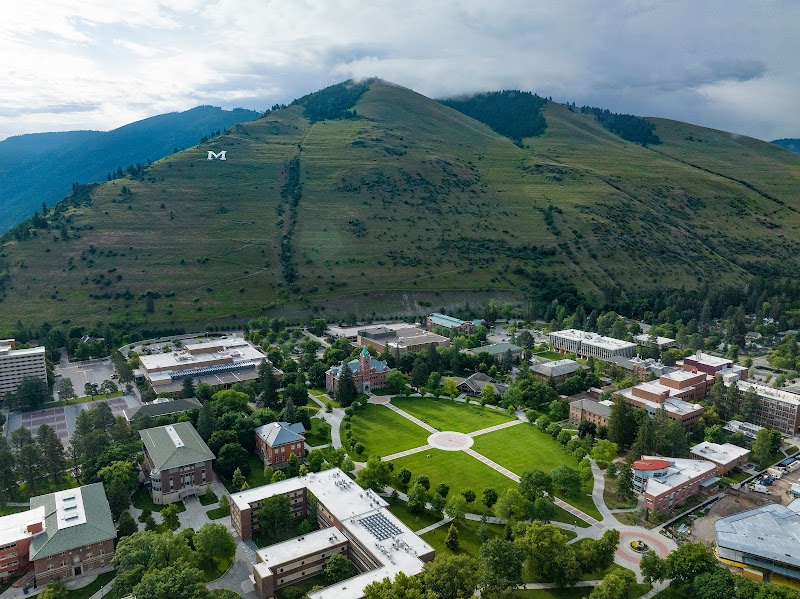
<point x="450" y="441"/>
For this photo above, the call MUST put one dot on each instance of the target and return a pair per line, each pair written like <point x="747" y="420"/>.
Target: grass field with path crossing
<point x="447" y="415"/>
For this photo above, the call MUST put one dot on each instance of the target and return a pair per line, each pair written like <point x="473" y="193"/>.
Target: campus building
<point x="585" y="344"/>
<point x="715" y="366"/>
<point x="748" y="429"/>
<point x="63" y="535"/>
<point x="219" y="363"/>
<point x="162" y="406"/>
<point x="467" y="327"/>
<point x="353" y="522"/>
<point x="666" y="483"/>
<point x="777" y="409"/>
<point x="590" y="410"/>
<point x="368" y="373"/>
<point x="400" y="341"/>
<point x="766" y="538"/>
<point x="663" y="343"/>
<point x="677" y="393"/>
<point x="642" y="367"/>
<point x="276" y="441"/>
<point x="19" y="364"/>
<point x="725" y="455"/>
<point x="474" y="384"/>
<point x="498" y="351"/>
<point x="177" y="462"/>
<point x="557" y="371"/>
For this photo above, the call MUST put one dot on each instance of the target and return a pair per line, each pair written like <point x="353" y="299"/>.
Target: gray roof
<point x="280" y="433"/>
<point x="557" y="368"/>
<point x="355" y="366"/>
<point x="771" y="532"/>
<point x="97" y="525"/>
<point x="496" y="349"/>
<point x="593" y="407"/>
<point x="163" y="408"/>
<point x="175" y="445"/>
<point x="479" y="380"/>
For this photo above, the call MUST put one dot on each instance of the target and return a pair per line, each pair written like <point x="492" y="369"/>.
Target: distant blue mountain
<point x="793" y="145"/>
<point x="41" y="167"/>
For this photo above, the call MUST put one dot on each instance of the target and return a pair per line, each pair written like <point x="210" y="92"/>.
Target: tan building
<point x="678" y="393"/>
<point x="585" y="344"/>
<point x="177" y="462"/>
<point x="400" y="341"/>
<point x="589" y="410"/>
<point x="19" y="364"/>
<point x="219" y="363"/>
<point x="726" y="455"/>
<point x="78" y="535"/>
<point x="557" y="371"/>
<point x="354" y="522"/>
<point x="777" y="409"/>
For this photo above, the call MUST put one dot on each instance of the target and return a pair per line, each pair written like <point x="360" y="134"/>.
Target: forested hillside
<point x="41" y="168"/>
<point x="398" y="204"/>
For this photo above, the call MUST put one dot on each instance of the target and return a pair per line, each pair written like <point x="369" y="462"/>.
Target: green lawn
<point x="91" y="588"/>
<point x="384" y="432"/>
<point x="414" y="521"/>
<point x="212" y="571"/>
<point x="299" y="589"/>
<point x="736" y="476"/>
<point x="322" y="395"/>
<point x="549" y="355"/>
<point x="791" y="450"/>
<point x="459" y="470"/>
<point x="77" y="400"/>
<point x="208" y="498"/>
<point x="320" y="433"/>
<point x="255" y="478"/>
<point x="524" y="447"/>
<point x="447" y="415"/>
<point x="218" y="513"/>
<point x="5" y="510"/>
<point x="613" y="500"/>
<point x="468" y="541"/>
<point x="144" y="501"/>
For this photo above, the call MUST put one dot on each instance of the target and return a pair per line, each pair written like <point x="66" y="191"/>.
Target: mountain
<point x="793" y="145"/>
<point x="372" y="199"/>
<point x="42" y="167"/>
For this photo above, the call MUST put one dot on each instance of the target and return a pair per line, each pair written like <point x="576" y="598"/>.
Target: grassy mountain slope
<point x="411" y="202"/>
<point x="41" y="167"/>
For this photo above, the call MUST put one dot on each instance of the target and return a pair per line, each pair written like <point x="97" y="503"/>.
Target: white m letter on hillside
<point x="218" y="155"/>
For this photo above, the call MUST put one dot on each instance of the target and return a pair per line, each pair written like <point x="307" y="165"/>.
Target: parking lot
<point x="62" y="419"/>
<point x="81" y="373"/>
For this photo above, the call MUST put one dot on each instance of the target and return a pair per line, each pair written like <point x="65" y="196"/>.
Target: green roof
<point x="91" y="512"/>
<point x="445" y="321"/>
<point x="175" y="446"/>
<point x="497" y="348"/>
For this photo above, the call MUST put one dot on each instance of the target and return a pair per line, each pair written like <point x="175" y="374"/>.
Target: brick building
<point x="276" y="441"/>
<point x="457" y="325"/>
<point x="666" y="483"/>
<point x="715" y="366"/>
<point x="557" y="371"/>
<point x="368" y="373"/>
<point x="589" y="410"/>
<point x="726" y="455"/>
<point x="676" y="392"/>
<point x="78" y="536"/>
<point x="16" y="533"/>
<point x="177" y="462"/>
<point x="19" y="364"/>
<point x="354" y="522"/>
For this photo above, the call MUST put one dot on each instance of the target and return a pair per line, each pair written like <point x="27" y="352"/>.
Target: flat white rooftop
<point x="720" y="453"/>
<point x="363" y="515"/>
<point x="681" y="375"/>
<point x="235" y="350"/>
<point x="709" y="359"/>
<point x="593" y="339"/>
<point x="763" y="391"/>
<point x="5" y="350"/>
<point x="680" y="472"/>
<point x="644" y="338"/>
<point x="671" y="404"/>
<point x="14" y="527"/>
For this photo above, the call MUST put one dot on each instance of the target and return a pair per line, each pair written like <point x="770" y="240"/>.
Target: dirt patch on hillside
<point x="735" y="503"/>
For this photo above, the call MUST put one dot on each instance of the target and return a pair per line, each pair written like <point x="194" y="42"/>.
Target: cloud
<point x="100" y="65"/>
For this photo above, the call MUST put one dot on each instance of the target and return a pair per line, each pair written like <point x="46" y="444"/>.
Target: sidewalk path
<point x="413" y="419"/>
<point x="402" y="454"/>
<point x="496" y="427"/>
<point x="433" y="526"/>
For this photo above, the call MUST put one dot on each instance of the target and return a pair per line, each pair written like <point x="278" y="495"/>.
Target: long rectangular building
<point x="676" y="393"/>
<point x="19" y="364"/>
<point x="219" y="363"/>
<point x="400" y="341"/>
<point x="354" y="522"/>
<point x="585" y="344"/>
<point x="777" y="409"/>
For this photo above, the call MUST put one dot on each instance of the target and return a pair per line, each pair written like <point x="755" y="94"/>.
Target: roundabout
<point x="450" y="441"/>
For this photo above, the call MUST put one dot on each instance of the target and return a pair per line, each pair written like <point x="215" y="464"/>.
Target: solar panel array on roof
<point x="380" y="526"/>
<point x="203" y="370"/>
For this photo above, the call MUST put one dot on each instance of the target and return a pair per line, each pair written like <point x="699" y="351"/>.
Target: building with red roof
<point x="666" y="483"/>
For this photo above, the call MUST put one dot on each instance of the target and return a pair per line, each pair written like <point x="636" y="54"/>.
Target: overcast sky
<point x="86" y="64"/>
